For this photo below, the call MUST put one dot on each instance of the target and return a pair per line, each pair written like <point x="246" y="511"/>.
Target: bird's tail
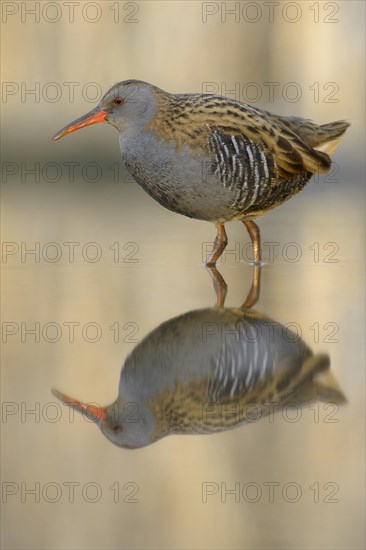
<point x="324" y="138"/>
<point x="320" y="383"/>
<point x="329" y="136"/>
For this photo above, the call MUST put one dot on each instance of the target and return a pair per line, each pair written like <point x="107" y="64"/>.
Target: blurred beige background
<point x="180" y="46"/>
<point x="312" y="55"/>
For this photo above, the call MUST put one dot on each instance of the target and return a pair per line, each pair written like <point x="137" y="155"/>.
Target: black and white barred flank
<point x="241" y="164"/>
<point x="248" y="167"/>
<point x="239" y="160"/>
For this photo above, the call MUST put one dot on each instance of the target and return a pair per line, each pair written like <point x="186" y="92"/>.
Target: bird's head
<point x="125" y="423"/>
<point x="128" y="104"/>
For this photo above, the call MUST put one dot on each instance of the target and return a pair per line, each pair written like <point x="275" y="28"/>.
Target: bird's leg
<point x="219" y="285"/>
<point x="254" y="292"/>
<point x="219" y="245"/>
<point x="255" y="235"/>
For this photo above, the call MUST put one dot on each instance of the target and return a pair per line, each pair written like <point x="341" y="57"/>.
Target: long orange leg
<point x="219" y="245"/>
<point x="254" y="292"/>
<point x="255" y="235"/>
<point x="219" y="285"/>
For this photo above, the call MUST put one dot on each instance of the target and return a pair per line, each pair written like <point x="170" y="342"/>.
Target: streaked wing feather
<point x="289" y="154"/>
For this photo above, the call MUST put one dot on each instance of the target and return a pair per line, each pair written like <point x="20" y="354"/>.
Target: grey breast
<point x="232" y="182"/>
<point x="179" y="180"/>
<point x="228" y="351"/>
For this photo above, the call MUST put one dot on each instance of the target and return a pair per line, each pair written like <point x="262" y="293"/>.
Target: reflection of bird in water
<point x="213" y="158"/>
<point x="204" y="371"/>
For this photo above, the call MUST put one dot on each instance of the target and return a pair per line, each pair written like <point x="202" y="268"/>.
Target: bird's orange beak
<point x="93" y="117"/>
<point x="90" y="411"/>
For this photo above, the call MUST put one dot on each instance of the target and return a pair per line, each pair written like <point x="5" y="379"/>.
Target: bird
<point x="211" y="157"/>
<point x="207" y="371"/>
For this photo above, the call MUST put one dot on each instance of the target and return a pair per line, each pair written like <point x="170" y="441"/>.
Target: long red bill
<point x="93" y="117"/>
<point x="90" y="411"/>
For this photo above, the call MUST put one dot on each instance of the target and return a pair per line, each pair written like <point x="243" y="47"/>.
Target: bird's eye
<point x="118" y="101"/>
<point x="117" y="428"/>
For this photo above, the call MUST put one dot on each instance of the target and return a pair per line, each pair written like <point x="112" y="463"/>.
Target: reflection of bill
<point x="210" y="370"/>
